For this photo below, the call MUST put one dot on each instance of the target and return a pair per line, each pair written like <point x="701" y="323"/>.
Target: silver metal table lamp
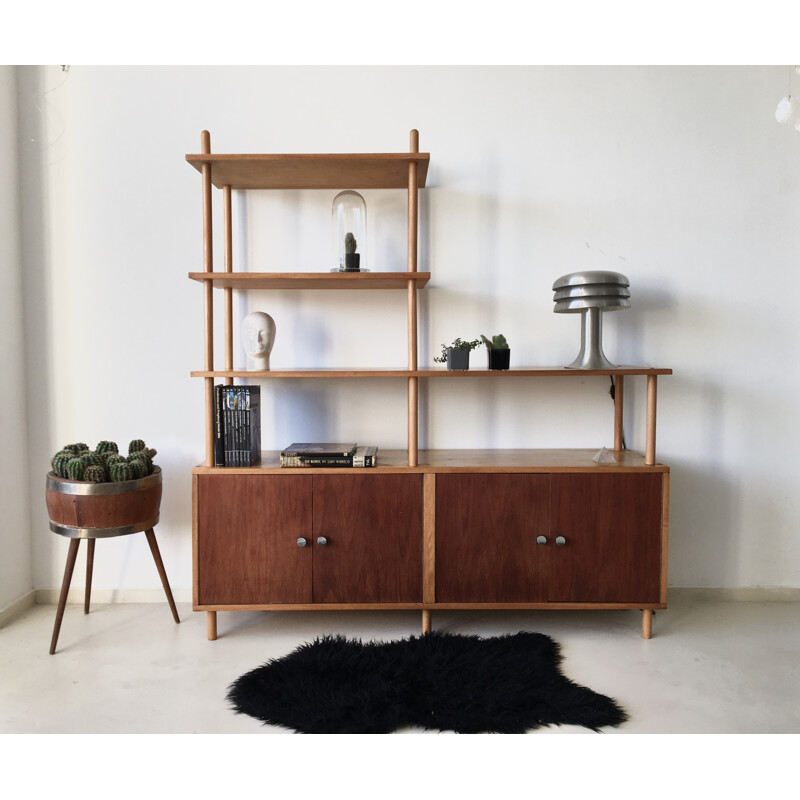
<point x="590" y="293"/>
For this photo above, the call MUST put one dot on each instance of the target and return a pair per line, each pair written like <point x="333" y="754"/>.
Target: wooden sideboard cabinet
<point x="425" y="529"/>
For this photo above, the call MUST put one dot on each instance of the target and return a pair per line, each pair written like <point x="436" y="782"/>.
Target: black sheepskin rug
<point x="438" y="681"/>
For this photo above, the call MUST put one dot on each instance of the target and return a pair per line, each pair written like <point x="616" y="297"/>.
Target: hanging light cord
<point x="613" y="392"/>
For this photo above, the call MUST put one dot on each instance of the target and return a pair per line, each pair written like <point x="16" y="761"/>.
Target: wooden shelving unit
<point x="457" y="528"/>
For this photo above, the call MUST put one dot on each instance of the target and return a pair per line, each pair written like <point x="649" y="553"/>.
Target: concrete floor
<point x="711" y="666"/>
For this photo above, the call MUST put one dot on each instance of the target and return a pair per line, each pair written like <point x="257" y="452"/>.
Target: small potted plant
<point x="498" y="350"/>
<point x="456" y="355"/>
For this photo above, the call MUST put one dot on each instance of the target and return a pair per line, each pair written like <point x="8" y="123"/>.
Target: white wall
<point x="678" y="177"/>
<point x="16" y="577"/>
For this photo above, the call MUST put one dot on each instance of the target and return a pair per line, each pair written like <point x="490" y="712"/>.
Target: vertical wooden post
<point x="413" y="218"/>
<point x="619" y="391"/>
<point x="208" y="298"/>
<point x="650" y="435"/>
<point x="228" y="292"/>
<point x="211" y="625"/>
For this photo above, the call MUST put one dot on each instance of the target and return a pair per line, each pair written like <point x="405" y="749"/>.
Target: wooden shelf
<point x="523" y="460"/>
<point x="311" y="280"/>
<point x="522" y="372"/>
<point x="313" y="171"/>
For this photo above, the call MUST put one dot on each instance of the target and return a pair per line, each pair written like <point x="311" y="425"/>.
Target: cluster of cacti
<point x="77" y="462"/>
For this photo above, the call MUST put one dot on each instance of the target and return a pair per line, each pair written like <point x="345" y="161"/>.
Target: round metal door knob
<point x="541" y="540"/>
<point x="322" y="541"/>
<point x="560" y="541"/>
<point x="301" y="542"/>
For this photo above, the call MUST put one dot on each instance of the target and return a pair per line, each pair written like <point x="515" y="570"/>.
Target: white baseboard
<point x="753" y="594"/>
<point x="750" y="594"/>
<point x="50" y="596"/>
<point x="17" y="608"/>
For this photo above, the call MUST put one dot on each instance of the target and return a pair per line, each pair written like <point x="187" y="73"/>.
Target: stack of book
<point x="237" y="426"/>
<point x="329" y="454"/>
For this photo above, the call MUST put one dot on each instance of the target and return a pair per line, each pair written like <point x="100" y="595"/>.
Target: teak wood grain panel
<point x="247" y="534"/>
<point x="373" y="524"/>
<point x="612" y="527"/>
<point x="486" y="530"/>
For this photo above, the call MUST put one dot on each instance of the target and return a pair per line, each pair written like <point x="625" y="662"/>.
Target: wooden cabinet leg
<point x="162" y="573"/>
<point x="89" y="567"/>
<point x="647" y="623"/>
<point x="426" y="621"/>
<point x="62" y="600"/>
<point x="211" y="622"/>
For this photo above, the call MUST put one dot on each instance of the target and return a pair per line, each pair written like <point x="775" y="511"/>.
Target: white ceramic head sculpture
<point x="258" y="336"/>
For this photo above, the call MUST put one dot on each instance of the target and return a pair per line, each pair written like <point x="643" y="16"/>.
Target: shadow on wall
<point x="301" y="413"/>
<point x="704" y="513"/>
<point x="35" y="151"/>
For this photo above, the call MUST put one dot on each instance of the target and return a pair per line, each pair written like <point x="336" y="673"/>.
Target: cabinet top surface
<point x="312" y="170"/>
<point x="523" y="460"/>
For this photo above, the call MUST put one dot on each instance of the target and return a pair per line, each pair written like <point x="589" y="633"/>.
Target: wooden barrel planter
<point x="85" y="510"/>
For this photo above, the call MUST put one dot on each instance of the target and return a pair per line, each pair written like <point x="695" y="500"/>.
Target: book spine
<point x="246" y="426"/>
<point x="254" y="416"/>
<point x="229" y="425"/>
<point x="316" y="461"/>
<point x="365" y="457"/>
<point x="219" y="438"/>
<point x="238" y="413"/>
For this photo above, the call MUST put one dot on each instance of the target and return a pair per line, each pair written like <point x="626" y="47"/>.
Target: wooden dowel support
<point x="211" y="625"/>
<point x="413" y="220"/>
<point x="209" y="421"/>
<point x="228" y="292"/>
<point x="208" y="301"/>
<point x="413" y="422"/>
<point x="650" y="435"/>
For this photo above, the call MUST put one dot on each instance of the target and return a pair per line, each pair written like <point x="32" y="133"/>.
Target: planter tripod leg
<point x="62" y="600"/>
<point x="89" y="567"/>
<point x="162" y="573"/>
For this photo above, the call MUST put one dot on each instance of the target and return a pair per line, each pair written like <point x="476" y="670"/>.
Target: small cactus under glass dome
<point x="76" y="462"/>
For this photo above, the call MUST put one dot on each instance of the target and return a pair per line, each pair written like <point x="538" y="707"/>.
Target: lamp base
<point x="591" y="355"/>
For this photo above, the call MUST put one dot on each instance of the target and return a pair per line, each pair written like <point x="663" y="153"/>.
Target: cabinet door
<point x="372" y="525"/>
<point x="486" y="531"/>
<point x="247" y="531"/>
<point x="611" y="524"/>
